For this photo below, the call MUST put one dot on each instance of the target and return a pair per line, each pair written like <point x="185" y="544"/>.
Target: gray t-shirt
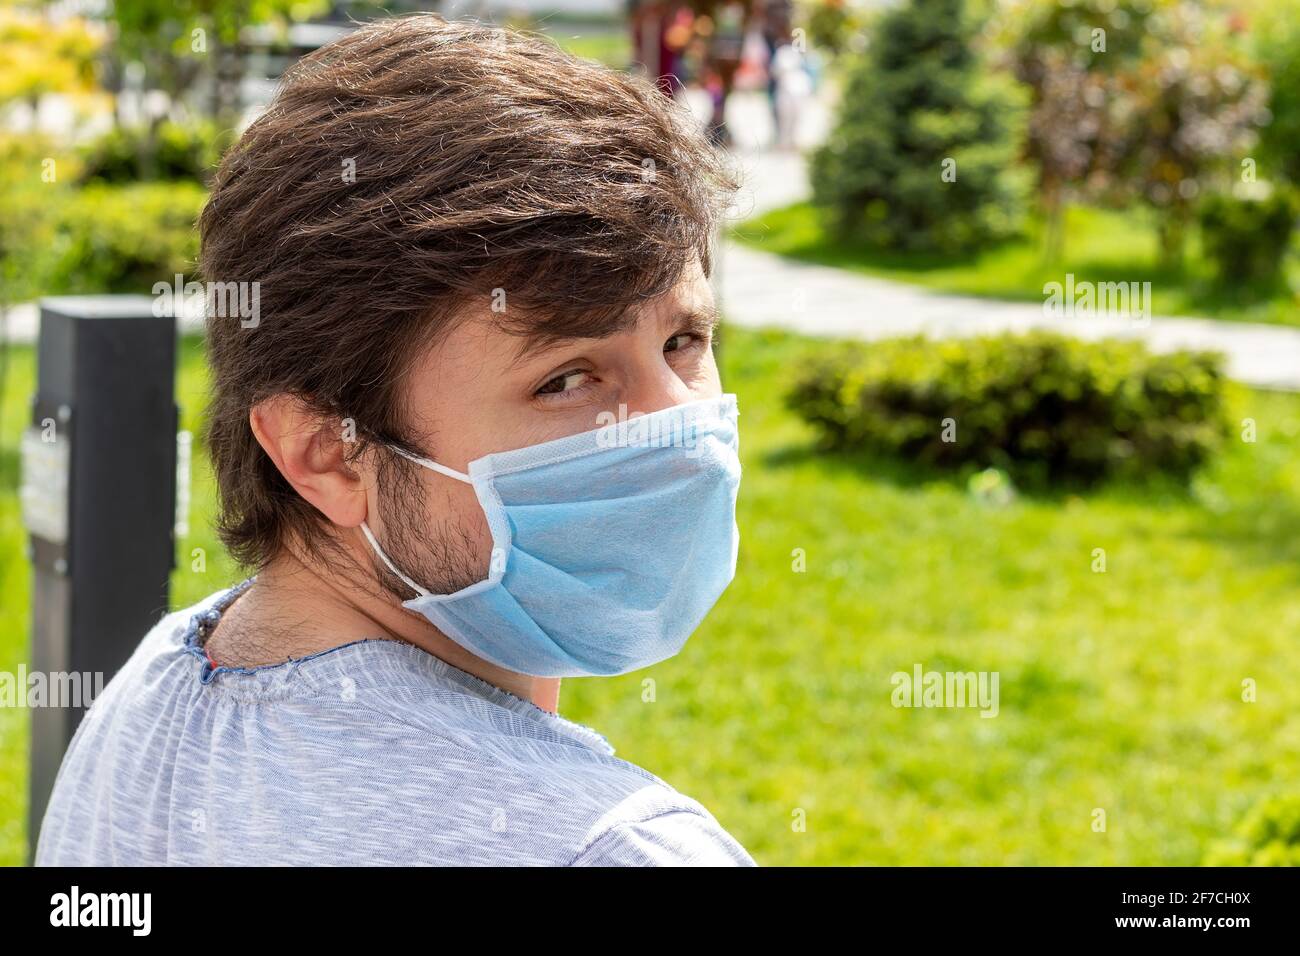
<point x="374" y="752"/>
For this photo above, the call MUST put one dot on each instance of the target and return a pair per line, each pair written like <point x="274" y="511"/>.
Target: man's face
<point x="484" y="390"/>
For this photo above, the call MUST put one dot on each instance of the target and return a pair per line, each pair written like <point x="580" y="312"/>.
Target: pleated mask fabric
<point x="609" y="546"/>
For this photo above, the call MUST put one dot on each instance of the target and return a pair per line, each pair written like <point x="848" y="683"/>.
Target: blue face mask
<point x="609" y="546"/>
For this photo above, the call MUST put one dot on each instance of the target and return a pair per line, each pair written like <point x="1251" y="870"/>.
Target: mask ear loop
<point x="370" y="536"/>
<point x="434" y="466"/>
<point x="365" y="528"/>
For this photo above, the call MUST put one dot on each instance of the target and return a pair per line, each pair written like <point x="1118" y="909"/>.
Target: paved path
<point x="761" y="289"/>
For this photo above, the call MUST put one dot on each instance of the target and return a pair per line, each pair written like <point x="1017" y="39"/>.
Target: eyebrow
<point x="697" y="320"/>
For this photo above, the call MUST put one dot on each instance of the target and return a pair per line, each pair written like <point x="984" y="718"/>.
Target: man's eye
<point x="563" y="383"/>
<point x="679" y="341"/>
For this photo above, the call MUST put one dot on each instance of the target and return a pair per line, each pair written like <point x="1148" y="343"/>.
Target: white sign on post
<point x="43" y="491"/>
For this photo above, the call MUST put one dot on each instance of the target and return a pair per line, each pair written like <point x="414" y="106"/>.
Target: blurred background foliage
<point x="1046" y="111"/>
<point x="1154" y="132"/>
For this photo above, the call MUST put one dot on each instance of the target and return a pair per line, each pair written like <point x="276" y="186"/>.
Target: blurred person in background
<point x="651" y="22"/>
<point x="793" y="85"/>
<point x="726" y="49"/>
<point x="774" y="19"/>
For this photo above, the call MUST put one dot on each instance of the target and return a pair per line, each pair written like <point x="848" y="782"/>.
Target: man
<point x="474" y="442"/>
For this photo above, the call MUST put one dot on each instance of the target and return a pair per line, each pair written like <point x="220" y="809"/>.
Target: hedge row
<point x="1044" y="407"/>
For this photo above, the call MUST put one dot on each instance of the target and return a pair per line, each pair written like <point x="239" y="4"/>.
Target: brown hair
<point x="484" y="160"/>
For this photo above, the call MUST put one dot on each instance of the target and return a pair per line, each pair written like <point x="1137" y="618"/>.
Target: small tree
<point x="183" y="44"/>
<point x="1194" y="104"/>
<point x="1071" y="57"/>
<point x="1277" y="33"/>
<point x="922" y="156"/>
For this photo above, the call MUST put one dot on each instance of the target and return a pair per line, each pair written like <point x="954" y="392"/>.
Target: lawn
<point x="611" y="47"/>
<point x="1100" y="246"/>
<point x="1119" y="690"/>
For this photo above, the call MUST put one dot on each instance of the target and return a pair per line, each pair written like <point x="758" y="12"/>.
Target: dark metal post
<point x="99" y="486"/>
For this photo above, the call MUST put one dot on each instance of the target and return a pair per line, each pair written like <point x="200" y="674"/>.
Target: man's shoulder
<point x="369" y="754"/>
<point x="530" y="788"/>
<point x="492" y="786"/>
<point x="576" y="810"/>
<point x="658" y="826"/>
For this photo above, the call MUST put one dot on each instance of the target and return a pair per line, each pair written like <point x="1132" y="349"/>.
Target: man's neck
<point x="293" y="610"/>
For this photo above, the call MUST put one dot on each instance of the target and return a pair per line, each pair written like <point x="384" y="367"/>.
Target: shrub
<point x="1246" y="237"/>
<point x="172" y="151"/>
<point x="125" y="238"/>
<point x="1269" y="835"/>
<point x="1044" y="407"/>
<point x="26" y="220"/>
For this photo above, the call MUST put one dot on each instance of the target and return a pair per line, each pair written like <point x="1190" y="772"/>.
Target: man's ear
<point x="309" y="450"/>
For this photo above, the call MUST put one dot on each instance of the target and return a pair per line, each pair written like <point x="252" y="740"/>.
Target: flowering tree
<point x="1190" y="105"/>
<point x="1071" y="58"/>
<point x="43" y="55"/>
<point x="1132" y="99"/>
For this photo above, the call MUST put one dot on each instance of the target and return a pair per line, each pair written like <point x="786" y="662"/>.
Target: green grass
<point x="612" y="47"/>
<point x="1100" y="246"/>
<point x="1119" y="690"/>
